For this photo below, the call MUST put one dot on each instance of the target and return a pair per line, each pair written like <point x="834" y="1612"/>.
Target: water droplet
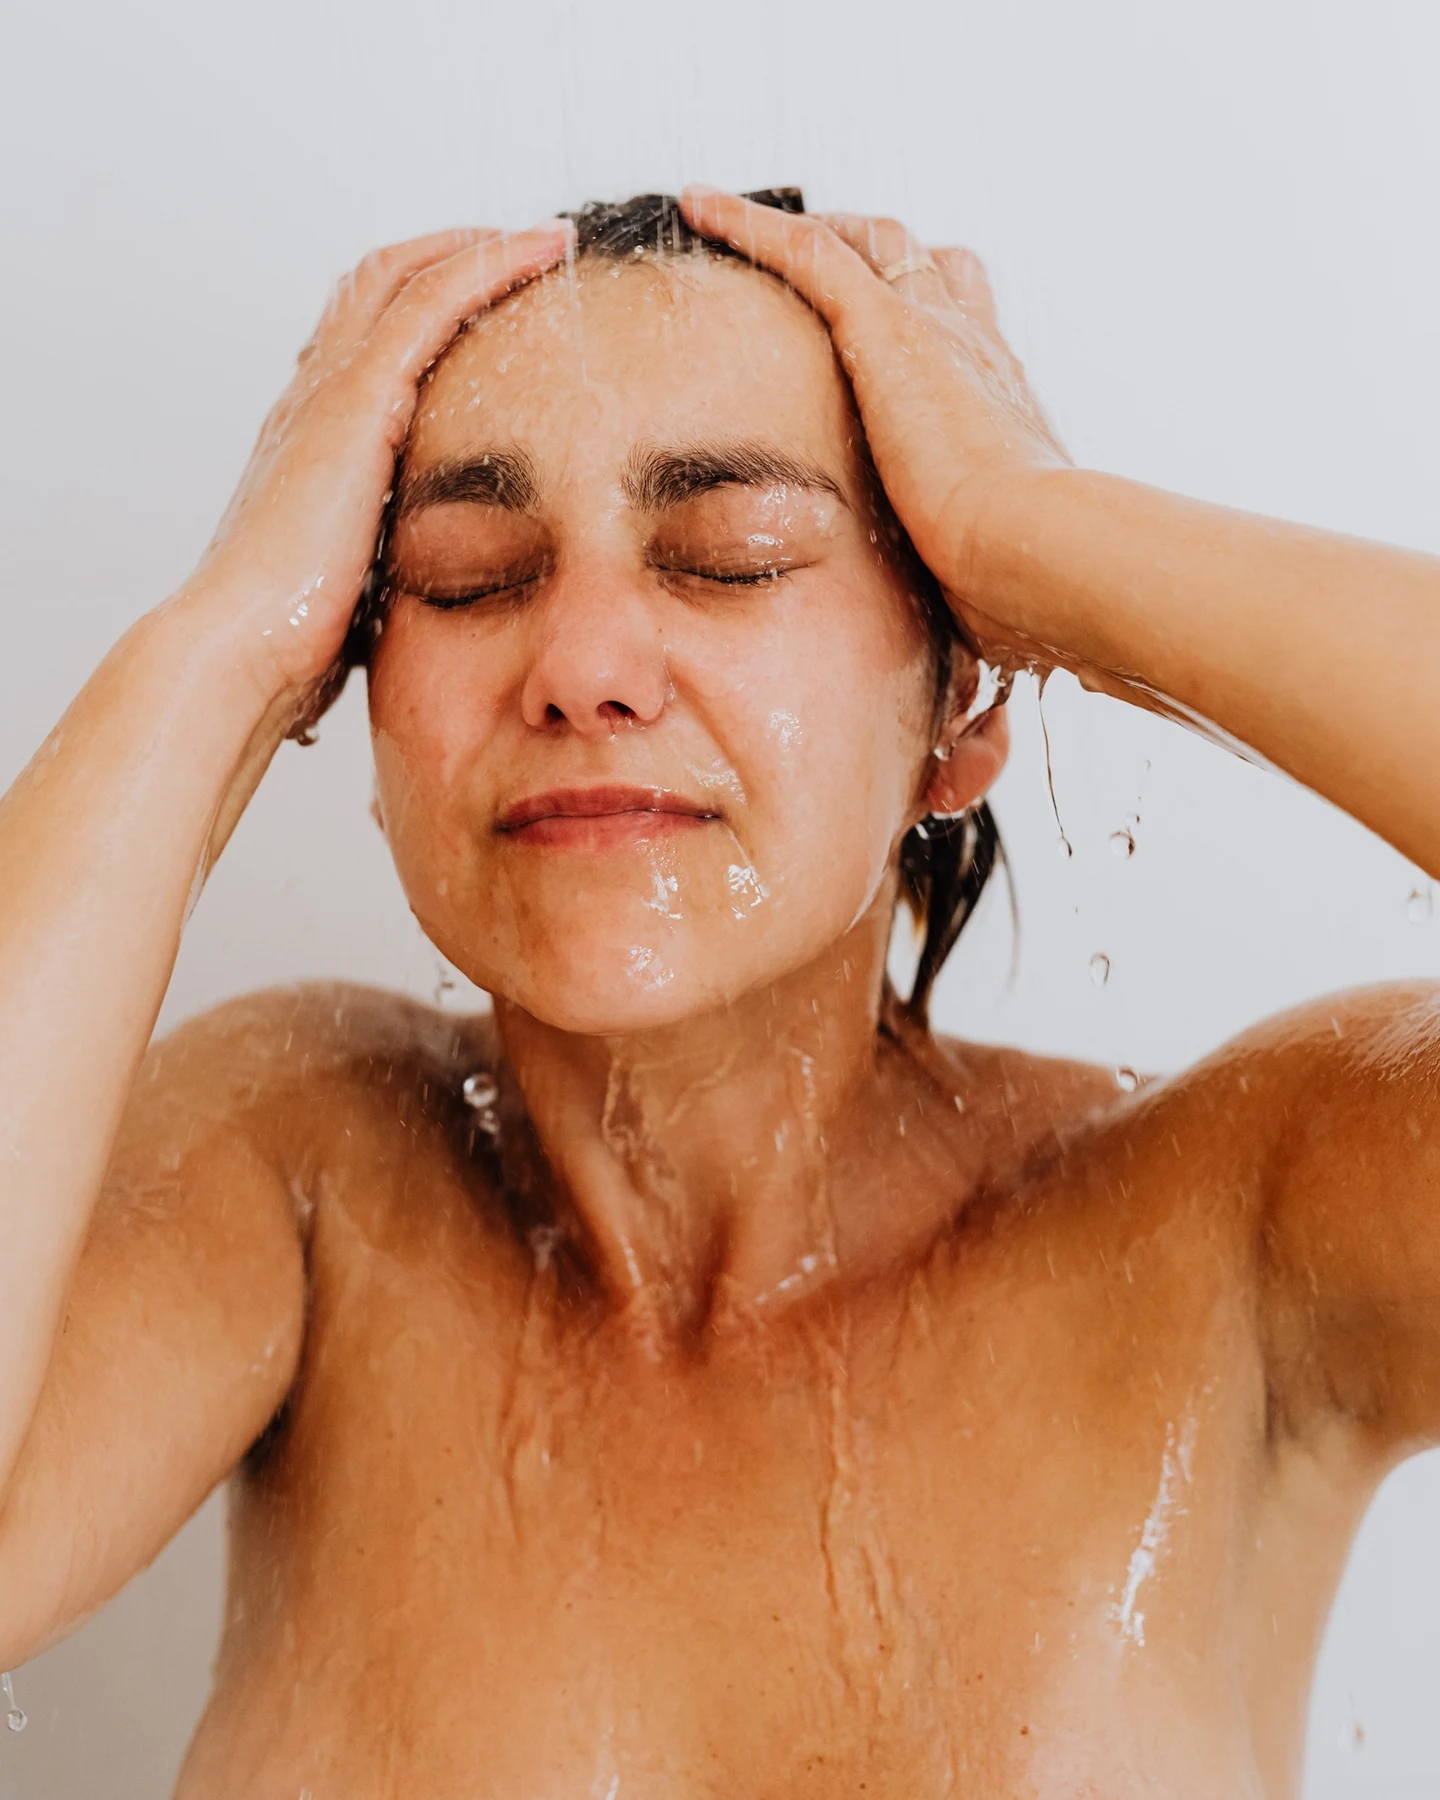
<point x="1099" y="968"/>
<point x="1420" y="906"/>
<point x="1122" y="844"/>
<point x="1064" y="847"/>
<point x="15" y="1715"/>
<point x="1127" y="1080"/>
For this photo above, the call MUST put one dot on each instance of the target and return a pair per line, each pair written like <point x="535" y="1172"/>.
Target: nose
<point x="599" y="656"/>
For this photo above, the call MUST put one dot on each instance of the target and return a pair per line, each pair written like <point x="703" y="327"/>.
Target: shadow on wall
<point x="125" y="1693"/>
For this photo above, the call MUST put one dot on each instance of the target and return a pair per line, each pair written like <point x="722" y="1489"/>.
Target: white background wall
<point x="1214" y="233"/>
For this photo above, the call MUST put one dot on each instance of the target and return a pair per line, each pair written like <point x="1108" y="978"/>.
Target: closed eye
<point x="752" y="580"/>
<point x="506" y="589"/>
<point x="722" y="577"/>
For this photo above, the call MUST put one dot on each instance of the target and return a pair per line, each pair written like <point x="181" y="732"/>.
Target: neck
<point x="696" y="1159"/>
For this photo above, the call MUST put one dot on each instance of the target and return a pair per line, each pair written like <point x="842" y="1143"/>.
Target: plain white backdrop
<point x="1213" y="230"/>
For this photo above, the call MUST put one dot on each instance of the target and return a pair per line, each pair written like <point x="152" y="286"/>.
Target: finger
<point x="971" y="295"/>
<point x="836" y="280"/>
<point x="363" y="293"/>
<point x="427" y="312"/>
<point x="897" y="256"/>
<point x="968" y="285"/>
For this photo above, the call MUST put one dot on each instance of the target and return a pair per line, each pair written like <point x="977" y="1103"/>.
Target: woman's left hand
<point x="945" y="404"/>
<point x="1319" y="653"/>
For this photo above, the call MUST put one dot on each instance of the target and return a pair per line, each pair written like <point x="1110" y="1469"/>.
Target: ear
<point x="973" y="760"/>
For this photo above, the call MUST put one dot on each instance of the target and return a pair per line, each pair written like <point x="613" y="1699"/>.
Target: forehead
<point x="584" y="364"/>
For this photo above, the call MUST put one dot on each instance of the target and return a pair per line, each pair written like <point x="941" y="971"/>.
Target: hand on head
<point x="287" y="563"/>
<point x="945" y="404"/>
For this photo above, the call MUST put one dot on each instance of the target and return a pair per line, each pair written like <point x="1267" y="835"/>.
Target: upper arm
<point x="1351" y="1224"/>
<point x="180" y="1338"/>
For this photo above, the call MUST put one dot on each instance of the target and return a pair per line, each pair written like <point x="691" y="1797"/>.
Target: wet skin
<point x="1047" y="1494"/>
<point x="767" y="1398"/>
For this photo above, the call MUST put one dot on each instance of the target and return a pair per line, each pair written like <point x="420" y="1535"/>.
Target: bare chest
<point x="919" y="1544"/>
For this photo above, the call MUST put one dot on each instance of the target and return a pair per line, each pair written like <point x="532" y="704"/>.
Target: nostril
<point x="611" y="712"/>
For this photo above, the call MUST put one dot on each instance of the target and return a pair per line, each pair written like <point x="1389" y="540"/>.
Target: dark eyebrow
<point x="496" y="478"/>
<point x="655" y="479"/>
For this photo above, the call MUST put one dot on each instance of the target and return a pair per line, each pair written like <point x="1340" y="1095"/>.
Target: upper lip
<point x="596" y="802"/>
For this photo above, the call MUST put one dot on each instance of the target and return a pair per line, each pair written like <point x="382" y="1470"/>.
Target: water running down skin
<point x="747" y="1416"/>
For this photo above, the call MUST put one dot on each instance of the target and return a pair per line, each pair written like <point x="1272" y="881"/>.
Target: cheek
<point x="822" y="708"/>
<point x="434" y="706"/>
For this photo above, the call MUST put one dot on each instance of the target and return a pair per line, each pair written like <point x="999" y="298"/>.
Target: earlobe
<point x="965" y="766"/>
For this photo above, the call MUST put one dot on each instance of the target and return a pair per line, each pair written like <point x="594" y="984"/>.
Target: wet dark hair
<point x="944" y="862"/>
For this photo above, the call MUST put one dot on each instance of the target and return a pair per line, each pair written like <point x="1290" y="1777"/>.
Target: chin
<point x="621" y="992"/>
<point x="604" y="1008"/>
<point x="599" y="981"/>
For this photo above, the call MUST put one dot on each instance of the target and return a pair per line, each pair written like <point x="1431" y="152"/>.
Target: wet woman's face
<point x="652" y="707"/>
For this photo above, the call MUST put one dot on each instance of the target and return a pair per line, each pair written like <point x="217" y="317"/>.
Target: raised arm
<point x="107" y="835"/>
<point x="1319" y="652"/>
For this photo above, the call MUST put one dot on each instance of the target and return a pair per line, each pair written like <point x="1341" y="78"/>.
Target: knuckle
<point x="340" y="299"/>
<point x="378" y="268"/>
<point x="422" y="285"/>
<point x="370" y="268"/>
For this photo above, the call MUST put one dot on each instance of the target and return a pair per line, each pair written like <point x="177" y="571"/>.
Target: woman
<point x="700" y="1379"/>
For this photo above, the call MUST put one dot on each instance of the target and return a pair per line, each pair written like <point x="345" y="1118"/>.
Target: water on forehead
<point x="640" y="351"/>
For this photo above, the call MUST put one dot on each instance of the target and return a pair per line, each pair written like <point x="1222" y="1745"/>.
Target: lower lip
<point x="605" y="831"/>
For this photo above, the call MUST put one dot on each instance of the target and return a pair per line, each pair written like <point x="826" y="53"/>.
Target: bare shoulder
<point x="1338" y="1107"/>
<point x="311" y="1030"/>
<point x="300" y="1058"/>
<point x="1390" y="1027"/>
<point x="190" y="1303"/>
<point x="1322" y="1067"/>
<point x="1313" y="1067"/>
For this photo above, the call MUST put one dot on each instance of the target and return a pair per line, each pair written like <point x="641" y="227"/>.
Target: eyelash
<point x="727" y="580"/>
<point x="452" y="602"/>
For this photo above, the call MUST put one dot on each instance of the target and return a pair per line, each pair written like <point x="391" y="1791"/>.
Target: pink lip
<point x="596" y="817"/>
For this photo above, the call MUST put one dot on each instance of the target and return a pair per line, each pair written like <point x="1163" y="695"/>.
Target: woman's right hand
<point x="285" y="569"/>
<point x="103" y="841"/>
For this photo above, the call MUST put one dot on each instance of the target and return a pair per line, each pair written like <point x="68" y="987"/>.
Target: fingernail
<point x="700" y="189"/>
